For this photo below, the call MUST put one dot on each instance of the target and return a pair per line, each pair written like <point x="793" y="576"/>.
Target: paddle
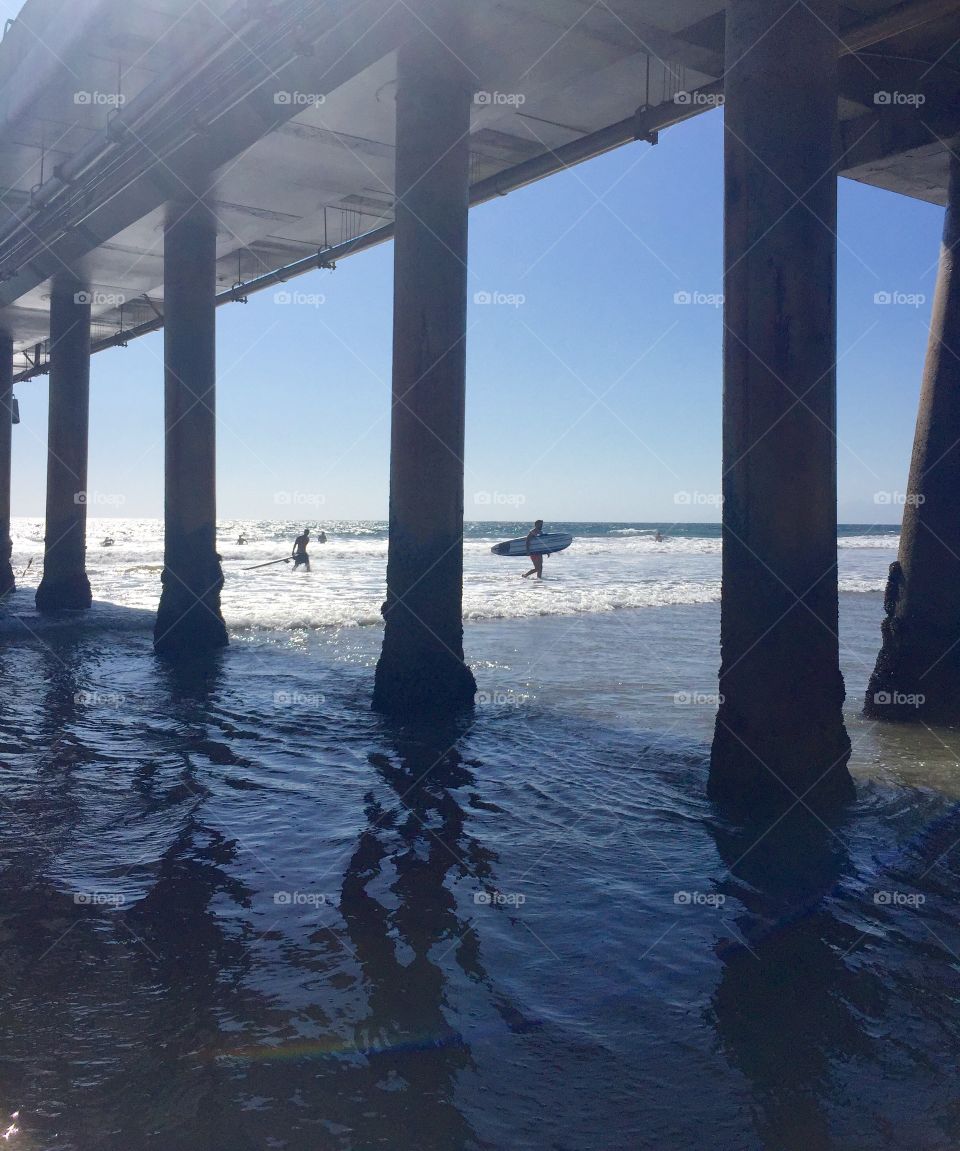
<point x="256" y="567"/>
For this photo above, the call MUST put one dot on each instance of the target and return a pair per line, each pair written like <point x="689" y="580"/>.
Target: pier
<point x="212" y="151"/>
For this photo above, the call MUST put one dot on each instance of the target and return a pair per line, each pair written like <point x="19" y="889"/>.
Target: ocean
<point x="240" y="911"/>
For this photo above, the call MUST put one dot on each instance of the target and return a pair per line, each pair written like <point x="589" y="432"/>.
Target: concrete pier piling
<point x="64" y="584"/>
<point x="189" y="620"/>
<point x="917" y="675"/>
<point x="7" y="581"/>
<point x="421" y="668"/>
<point x="779" y="733"/>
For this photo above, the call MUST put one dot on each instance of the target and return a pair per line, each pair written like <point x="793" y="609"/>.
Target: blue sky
<point x="595" y="396"/>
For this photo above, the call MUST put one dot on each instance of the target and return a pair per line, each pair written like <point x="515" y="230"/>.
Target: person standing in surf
<point x="536" y="559"/>
<point x="300" y="550"/>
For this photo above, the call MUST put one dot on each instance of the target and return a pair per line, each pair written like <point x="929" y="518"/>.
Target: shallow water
<point x="237" y="910"/>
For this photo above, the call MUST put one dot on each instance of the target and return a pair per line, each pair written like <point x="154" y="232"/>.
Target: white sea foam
<point x="606" y="570"/>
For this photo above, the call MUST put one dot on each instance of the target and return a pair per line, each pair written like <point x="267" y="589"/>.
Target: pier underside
<point x="239" y="145"/>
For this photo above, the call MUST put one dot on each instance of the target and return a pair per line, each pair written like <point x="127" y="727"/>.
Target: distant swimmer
<point x="300" y="550"/>
<point x="322" y="538"/>
<point x="658" y="538"/>
<point x="536" y="559"/>
<point x="241" y="539"/>
<point x="108" y="542"/>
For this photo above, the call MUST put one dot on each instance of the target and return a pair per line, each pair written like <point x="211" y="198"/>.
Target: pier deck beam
<point x="779" y="733"/>
<point x="189" y="620"/>
<point x="64" y="585"/>
<point x="7" y="581"/>
<point x="421" y="668"/>
<point x="917" y="675"/>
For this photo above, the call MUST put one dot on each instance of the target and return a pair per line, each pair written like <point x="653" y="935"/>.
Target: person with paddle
<point x="300" y="550"/>
<point x="536" y="558"/>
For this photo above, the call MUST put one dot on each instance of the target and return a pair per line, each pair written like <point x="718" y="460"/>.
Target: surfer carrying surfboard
<point x="536" y="558"/>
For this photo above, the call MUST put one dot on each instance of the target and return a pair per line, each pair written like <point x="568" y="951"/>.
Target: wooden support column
<point x="780" y="734"/>
<point x="64" y="584"/>
<point x="917" y="675"/>
<point x="189" y="620"/>
<point x="421" y="668"/>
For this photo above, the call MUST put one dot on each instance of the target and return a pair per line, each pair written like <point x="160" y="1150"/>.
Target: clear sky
<point x="594" y="395"/>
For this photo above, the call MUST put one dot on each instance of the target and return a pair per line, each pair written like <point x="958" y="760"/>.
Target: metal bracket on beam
<point x="153" y="307"/>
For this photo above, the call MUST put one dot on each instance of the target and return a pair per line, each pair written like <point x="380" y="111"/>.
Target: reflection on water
<point x="230" y="924"/>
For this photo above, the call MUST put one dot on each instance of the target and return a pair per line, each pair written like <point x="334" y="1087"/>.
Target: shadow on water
<point x="785" y="999"/>
<point x="835" y="984"/>
<point x="391" y="1078"/>
<point x="156" y="994"/>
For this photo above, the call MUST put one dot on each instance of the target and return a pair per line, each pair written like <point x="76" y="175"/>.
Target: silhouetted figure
<point x="300" y="557"/>
<point x="537" y="560"/>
